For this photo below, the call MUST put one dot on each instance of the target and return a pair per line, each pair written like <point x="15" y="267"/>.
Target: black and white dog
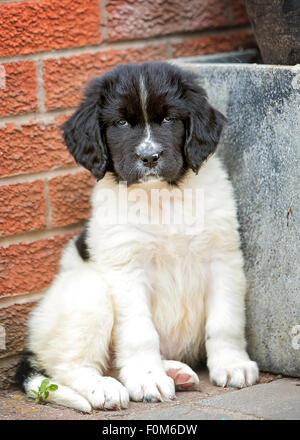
<point x="136" y="301"/>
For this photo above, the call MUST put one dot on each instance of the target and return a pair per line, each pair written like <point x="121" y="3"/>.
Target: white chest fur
<point x="179" y="279"/>
<point x="172" y="259"/>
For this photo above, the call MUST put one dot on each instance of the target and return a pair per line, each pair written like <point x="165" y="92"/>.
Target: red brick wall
<point x="49" y="49"/>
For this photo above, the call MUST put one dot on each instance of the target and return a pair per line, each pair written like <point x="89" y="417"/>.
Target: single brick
<point x="32" y="147"/>
<point x="34" y="26"/>
<point x="14" y="320"/>
<point x="65" y="78"/>
<point x="30" y="267"/>
<point x="20" y="92"/>
<point x="70" y="198"/>
<point x="215" y="44"/>
<point x="127" y="19"/>
<point x="22" y="207"/>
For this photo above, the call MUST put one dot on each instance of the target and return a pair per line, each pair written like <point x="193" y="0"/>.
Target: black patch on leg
<point x="81" y="245"/>
<point x="26" y="369"/>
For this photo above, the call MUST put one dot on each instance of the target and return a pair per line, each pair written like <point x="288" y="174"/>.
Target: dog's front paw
<point x="236" y="374"/>
<point x="108" y="393"/>
<point x="150" y="386"/>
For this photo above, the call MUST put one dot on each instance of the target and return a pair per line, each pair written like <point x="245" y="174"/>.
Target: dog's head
<point x="144" y="120"/>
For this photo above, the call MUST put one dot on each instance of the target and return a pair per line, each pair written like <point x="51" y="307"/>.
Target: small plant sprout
<point x="43" y="391"/>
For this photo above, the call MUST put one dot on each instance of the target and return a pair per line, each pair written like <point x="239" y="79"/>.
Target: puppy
<point x="138" y="303"/>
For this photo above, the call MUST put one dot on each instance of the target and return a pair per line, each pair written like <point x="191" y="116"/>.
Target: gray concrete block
<point x="260" y="148"/>
<point x="279" y="400"/>
<point x="191" y="412"/>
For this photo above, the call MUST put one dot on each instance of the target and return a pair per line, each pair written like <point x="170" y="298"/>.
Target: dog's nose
<point x="150" y="159"/>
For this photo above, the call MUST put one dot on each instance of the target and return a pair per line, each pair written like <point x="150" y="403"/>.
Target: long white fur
<point x="148" y="293"/>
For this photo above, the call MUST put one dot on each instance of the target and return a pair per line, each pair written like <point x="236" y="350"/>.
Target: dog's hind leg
<point x="70" y="336"/>
<point x="184" y="377"/>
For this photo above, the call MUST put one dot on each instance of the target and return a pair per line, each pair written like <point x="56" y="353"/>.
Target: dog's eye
<point x="167" y="120"/>
<point x="122" y="122"/>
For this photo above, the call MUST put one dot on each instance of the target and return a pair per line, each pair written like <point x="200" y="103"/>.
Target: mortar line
<point x="48" y="204"/>
<point x="228" y="6"/>
<point x="44" y="118"/>
<point x="40" y="85"/>
<point x="13" y="1"/>
<point x="103" y="22"/>
<point x="169" y="50"/>
<point x="123" y="45"/>
<point x="44" y="174"/>
<point x="24" y="298"/>
<point x="40" y="234"/>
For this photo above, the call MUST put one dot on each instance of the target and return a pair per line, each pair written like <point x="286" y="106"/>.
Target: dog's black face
<point x="142" y="121"/>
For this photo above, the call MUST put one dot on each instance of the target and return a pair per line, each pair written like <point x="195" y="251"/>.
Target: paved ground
<point x="273" y="398"/>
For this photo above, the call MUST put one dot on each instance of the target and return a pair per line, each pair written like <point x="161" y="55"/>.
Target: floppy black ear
<point x="203" y="129"/>
<point x="82" y="134"/>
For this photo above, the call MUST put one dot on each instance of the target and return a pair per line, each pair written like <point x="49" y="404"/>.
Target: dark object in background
<point x="276" y="25"/>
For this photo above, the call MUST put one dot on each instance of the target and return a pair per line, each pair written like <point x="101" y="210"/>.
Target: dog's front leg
<point x="227" y="359"/>
<point x="136" y="342"/>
